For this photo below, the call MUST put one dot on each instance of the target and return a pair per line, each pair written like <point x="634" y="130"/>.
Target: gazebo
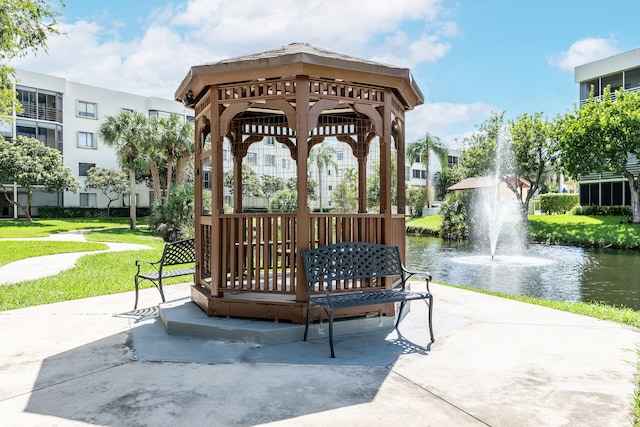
<point x="297" y="96"/>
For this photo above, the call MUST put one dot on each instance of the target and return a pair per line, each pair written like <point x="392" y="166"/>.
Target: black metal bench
<point x="177" y="253"/>
<point x="345" y="261"/>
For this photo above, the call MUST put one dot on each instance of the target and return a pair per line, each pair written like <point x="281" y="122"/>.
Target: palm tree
<point x="153" y="156"/>
<point x="322" y="157"/>
<point x="177" y="141"/>
<point x="422" y="149"/>
<point x="125" y="132"/>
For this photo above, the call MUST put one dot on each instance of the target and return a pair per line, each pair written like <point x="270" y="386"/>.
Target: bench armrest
<point x="409" y="273"/>
<point x="141" y="262"/>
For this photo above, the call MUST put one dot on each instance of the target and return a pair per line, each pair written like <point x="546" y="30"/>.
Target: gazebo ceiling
<point x="302" y="59"/>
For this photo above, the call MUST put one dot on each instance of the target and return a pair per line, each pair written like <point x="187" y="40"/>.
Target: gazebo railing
<point x="257" y="252"/>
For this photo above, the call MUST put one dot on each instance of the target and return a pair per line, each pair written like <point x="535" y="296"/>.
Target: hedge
<point x="602" y="210"/>
<point x="551" y="203"/>
<point x="78" y="212"/>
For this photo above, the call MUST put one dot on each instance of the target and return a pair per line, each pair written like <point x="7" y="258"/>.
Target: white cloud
<point x="177" y="35"/>
<point x="583" y="51"/>
<point x="449" y="122"/>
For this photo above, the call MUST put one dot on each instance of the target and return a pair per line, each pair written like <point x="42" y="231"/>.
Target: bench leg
<point x="306" y="328"/>
<point x="402" y="304"/>
<point x="135" y="304"/>
<point x="333" y="355"/>
<point x="160" y="288"/>
<point x="430" y="304"/>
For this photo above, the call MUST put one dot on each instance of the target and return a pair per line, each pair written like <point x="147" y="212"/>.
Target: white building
<point x="618" y="71"/>
<point x="66" y="115"/>
<point x="416" y="171"/>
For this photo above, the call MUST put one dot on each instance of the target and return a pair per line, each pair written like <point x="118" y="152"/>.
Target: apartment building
<point x="66" y="115"/>
<point x="618" y="71"/>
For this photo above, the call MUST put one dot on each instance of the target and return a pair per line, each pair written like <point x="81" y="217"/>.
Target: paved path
<point x="49" y="265"/>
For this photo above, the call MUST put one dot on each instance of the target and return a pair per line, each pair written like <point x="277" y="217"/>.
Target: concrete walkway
<point x="495" y="362"/>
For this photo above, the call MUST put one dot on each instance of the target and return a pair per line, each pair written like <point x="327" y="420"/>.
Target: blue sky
<point x="469" y="57"/>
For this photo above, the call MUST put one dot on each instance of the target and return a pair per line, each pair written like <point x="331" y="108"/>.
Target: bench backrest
<point x="180" y="252"/>
<point x="351" y="260"/>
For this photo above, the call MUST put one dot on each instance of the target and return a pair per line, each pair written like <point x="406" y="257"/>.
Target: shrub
<point x="46" y="212"/>
<point x="174" y="221"/>
<point x="455" y="212"/>
<point x="555" y="203"/>
<point x="602" y="210"/>
<point x="415" y="200"/>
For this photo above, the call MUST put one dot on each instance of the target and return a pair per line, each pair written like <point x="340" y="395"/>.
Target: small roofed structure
<point x="296" y="97"/>
<point x="481" y="182"/>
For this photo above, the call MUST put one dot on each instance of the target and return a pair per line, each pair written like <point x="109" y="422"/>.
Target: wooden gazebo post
<point x="302" y="214"/>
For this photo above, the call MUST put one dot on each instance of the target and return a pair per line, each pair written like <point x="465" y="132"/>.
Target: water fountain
<point x="498" y="219"/>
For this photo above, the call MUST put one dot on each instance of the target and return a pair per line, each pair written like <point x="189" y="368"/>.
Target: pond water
<point x="563" y="273"/>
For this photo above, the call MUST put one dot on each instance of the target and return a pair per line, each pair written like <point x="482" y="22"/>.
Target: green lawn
<point x="14" y="250"/>
<point x="583" y="230"/>
<point x="44" y="227"/>
<point x="93" y="275"/>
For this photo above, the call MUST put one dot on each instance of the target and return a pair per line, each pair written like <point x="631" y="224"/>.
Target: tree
<point x="447" y="177"/>
<point x="175" y="220"/>
<point x="292" y="184"/>
<point x="345" y="195"/>
<point x="531" y="154"/>
<point x="373" y="183"/>
<point x="480" y="150"/>
<point x="270" y="185"/>
<point x="125" y="132"/>
<point x="112" y="183"/>
<point x="519" y="154"/>
<point x="603" y="136"/>
<point x="152" y="159"/>
<point x="285" y="201"/>
<point x="176" y="140"/>
<point x="322" y="156"/>
<point x="24" y="27"/>
<point x="251" y="185"/>
<point x="422" y="149"/>
<point x="415" y="200"/>
<point x="29" y="163"/>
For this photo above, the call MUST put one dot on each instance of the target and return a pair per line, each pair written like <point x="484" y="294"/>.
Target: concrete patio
<point x="495" y="362"/>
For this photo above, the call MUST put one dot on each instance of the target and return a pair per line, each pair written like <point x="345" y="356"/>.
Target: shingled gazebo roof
<point x="302" y="59"/>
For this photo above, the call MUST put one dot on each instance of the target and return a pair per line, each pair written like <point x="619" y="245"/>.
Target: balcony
<point x="41" y="112"/>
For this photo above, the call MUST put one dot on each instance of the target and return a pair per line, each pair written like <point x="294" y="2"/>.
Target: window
<point x="88" y="200"/>
<point x="126" y="198"/>
<point x="87" y="109"/>
<point x="330" y="187"/>
<point x="226" y="155"/>
<point x="417" y="173"/>
<point x="159" y="114"/>
<point x="270" y="160"/>
<point x="269" y="140"/>
<point x="452" y="161"/>
<point x="84" y="167"/>
<point x="252" y="158"/>
<point x="340" y="156"/>
<point x="86" y="140"/>
<point x="285" y="163"/>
